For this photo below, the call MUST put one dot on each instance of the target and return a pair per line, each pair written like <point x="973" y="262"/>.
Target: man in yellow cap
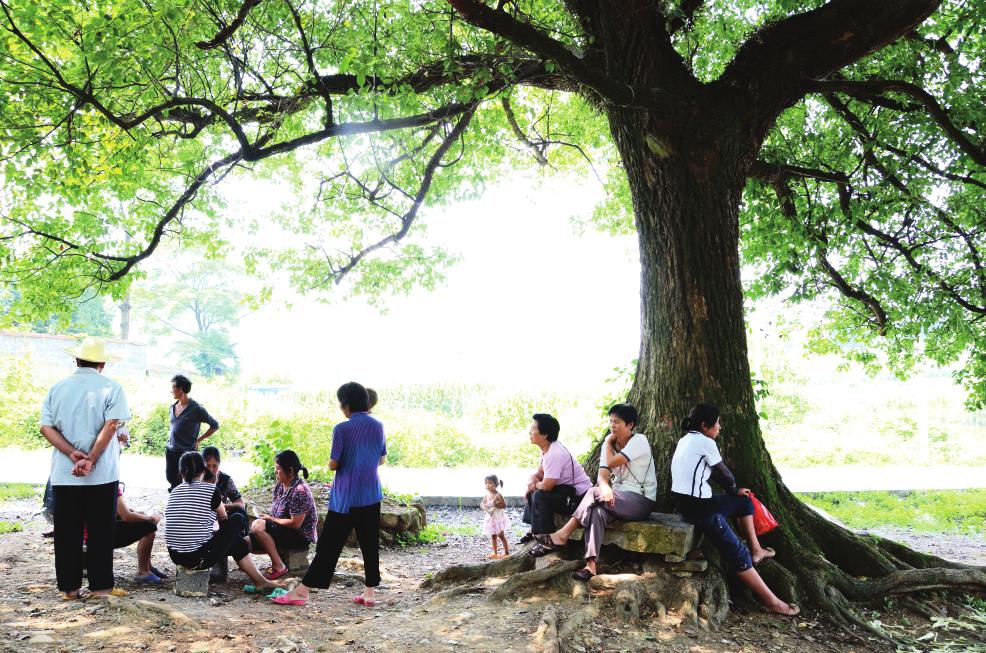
<point x="79" y="418"/>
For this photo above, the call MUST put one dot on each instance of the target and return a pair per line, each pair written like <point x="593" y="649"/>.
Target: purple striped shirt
<point x="357" y="445"/>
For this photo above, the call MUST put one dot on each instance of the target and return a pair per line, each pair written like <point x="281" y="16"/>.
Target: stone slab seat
<point x="661" y="533"/>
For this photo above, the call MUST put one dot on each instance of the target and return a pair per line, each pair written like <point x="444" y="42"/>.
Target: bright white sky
<point x="532" y="303"/>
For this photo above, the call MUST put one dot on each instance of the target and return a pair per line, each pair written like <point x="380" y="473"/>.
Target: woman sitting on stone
<point x="696" y="460"/>
<point x="626" y="489"/>
<point x="192" y="510"/>
<point x="293" y="518"/>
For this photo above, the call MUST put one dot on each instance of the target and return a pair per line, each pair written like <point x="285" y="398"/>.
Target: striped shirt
<point x="357" y="445"/>
<point x="691" y="465"/>
<point x="190" y="515"/>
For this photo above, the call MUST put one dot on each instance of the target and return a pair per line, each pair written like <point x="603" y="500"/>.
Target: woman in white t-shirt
<point x="696" y="460"/>
<point x="626" y="489"/>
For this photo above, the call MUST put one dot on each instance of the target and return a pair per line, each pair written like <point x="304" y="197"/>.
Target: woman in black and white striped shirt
<point x="193" y="507"/>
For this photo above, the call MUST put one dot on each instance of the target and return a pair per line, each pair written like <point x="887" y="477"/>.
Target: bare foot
<point x="787" y="609"/>
<point x="760" y="554"/>
<point x="558" y="539"/>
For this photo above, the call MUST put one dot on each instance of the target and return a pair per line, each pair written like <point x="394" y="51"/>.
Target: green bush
<point x="20" y="404"/>
<point x="310" y="438"/>
<point x="149" y="433"/>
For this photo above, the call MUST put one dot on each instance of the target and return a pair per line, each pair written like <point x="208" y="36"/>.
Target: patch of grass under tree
<point x="959" y="511"/>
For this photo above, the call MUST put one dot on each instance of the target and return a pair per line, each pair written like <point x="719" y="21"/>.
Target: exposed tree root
<point x="909" y="556"/>
<point x="148" y="610"/>
<point x="441" y="598"/>
<point x="516" y="584"/>
<point x="547" y="633"/>
<point x="456" y="574"/>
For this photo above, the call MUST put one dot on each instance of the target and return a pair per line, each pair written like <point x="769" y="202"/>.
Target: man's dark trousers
<point x="92" y="507"/>
<point x="543" y="505"/>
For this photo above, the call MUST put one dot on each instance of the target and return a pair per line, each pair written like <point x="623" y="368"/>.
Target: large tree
<point x="835" y="141"/>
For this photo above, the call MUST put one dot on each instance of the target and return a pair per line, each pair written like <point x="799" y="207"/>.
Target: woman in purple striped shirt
<point x="358" y="449"/>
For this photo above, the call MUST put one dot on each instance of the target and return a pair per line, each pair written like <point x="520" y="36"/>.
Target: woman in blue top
<point x="358" y="449"/>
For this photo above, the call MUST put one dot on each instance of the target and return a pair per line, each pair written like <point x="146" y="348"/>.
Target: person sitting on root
<point x="696" y="460"/>
<point x="192" y="510"/>
<point x="626" y="489"/>
<point x="293" y="517"/>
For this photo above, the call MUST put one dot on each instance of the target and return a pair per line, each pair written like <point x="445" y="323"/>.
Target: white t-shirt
<point x="691" y="465"/>
<point x="639" y="474"/>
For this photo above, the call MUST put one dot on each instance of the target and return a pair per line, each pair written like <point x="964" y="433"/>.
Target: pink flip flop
<point x="284" y="600"/>
<point x="274" y="575"/>
<point x="359" y="600"/>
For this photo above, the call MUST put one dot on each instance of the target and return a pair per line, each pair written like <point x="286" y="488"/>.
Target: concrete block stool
<point x="295" y="559"/>
<point x="191" y="582"/>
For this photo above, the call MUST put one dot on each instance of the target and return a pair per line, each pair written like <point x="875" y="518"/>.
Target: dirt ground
<point x="152" y="618"/>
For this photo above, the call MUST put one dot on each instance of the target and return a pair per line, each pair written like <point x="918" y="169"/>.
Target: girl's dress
<point x="495" y="521"/>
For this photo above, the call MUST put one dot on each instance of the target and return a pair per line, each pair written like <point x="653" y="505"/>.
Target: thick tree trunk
<point x="686" y="194"/>
<point x="686" y="190"/>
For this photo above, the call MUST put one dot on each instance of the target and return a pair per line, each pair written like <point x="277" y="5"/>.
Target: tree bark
<point x="686" y="169"/>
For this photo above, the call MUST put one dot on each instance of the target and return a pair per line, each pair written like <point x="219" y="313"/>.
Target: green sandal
<point x="277" y="591"/>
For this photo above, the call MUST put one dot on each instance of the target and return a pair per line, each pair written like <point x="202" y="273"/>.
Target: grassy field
<point x="958" y="511"/>
<point x="814" y="413"/>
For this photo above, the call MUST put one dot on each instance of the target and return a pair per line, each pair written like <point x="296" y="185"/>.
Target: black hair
<point x="93" y="364"/>
<point x="288" y="460"/>
<point x="548" y="426"/>
<point x="354" y="397"/>
<point x="492" y="477"/>
<point x="211" y="452"/>
<point x="191" y="464"/>
<point x="372" y="398"/>
<point x="700" y="415"/>
<point x="626" y="412"/>
<point x="182" y="382"/>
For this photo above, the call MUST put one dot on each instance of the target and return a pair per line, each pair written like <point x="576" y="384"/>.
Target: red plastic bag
<point x="763" y="521"/>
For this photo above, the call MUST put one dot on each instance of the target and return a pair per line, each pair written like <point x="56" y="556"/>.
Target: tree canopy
<point x="120" y="118"/>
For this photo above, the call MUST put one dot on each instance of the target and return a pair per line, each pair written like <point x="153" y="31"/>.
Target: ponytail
<point x="288" y="460"/>
<point x="191" y="465"/>
<point x="701" y="415"/>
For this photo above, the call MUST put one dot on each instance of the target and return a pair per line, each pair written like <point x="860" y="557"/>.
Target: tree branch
<point x="223" y="34"/>
<point x="339" y="273"/>
<point x="775" y="63"/>
<point x="685" y="16"/>
<point x="502" y="24"/>
<point x="778" y="177"/>
<point x="870" y="87"/>
<point x="538" y="152"/>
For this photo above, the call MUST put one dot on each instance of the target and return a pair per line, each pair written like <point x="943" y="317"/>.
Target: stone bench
<point x="191" y="582"/>
<point x="661" y="533"/>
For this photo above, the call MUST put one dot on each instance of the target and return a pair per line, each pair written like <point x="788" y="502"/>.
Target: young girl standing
<point x="495" y="523"/>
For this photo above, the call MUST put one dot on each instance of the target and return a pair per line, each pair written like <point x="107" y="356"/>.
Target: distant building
<point x="48" y="353"/>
